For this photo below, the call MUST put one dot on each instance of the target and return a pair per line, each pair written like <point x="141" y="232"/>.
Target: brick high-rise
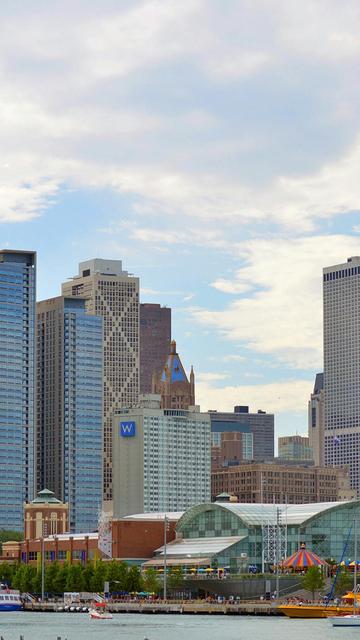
<point x="155" y="337"/>
<point x="172" y="384"/>
<point x="113" y="294"/>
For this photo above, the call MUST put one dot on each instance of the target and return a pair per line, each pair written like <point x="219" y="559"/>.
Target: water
<point x="48" y="626"/>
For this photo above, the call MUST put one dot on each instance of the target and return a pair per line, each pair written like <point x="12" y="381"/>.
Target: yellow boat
<point x="313" y="610"/>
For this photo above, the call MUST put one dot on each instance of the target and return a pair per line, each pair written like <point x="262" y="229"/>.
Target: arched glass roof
<point x="259" y="514"/>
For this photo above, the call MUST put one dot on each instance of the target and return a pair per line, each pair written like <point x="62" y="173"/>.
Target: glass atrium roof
<point x="189" y="547"/>
<point x="258" y="514"/>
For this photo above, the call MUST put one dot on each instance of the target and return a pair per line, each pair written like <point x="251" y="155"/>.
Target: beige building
<point x="316" y="421"/>
<point x="113" y="294"/>
<point x="280" y="483"/>
<point x="161" y="458"/>
<point x="45" y="515"/>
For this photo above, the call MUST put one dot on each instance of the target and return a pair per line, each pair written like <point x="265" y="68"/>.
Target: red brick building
<point x="155" y="337"/>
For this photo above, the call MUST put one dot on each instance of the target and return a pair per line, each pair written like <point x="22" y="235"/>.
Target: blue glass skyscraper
<point x="70" y="407"/>
<point x="17" y="320"/>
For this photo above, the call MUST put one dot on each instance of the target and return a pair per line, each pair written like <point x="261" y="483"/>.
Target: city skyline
<point x="219" y="163"/>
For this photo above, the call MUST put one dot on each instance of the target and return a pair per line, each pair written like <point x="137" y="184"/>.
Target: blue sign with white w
<point x="127" y="429"/>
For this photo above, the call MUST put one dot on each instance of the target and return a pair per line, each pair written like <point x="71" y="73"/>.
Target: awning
<point x="177" y="562"/>
<point x="198" y="547"/>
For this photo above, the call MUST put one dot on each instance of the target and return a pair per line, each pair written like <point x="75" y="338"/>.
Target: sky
<point x="214" y="147"/>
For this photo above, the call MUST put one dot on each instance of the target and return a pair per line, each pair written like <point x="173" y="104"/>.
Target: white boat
<point x="100" y="614"/>
<point x="350" y="620"/>
<point x="10" y="600"/>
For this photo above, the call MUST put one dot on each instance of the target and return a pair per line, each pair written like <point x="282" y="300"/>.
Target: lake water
<point x="49" y="626"/>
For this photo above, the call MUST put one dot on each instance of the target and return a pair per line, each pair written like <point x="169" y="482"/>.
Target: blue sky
<point x="214" y="147"/>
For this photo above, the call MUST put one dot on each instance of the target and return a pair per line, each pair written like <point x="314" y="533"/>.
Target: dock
<point x="187" y="608"/>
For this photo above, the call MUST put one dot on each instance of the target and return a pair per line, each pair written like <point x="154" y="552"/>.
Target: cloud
<point x="283" y="317"/>
<point x="275" y="397"/>
<point x="135" y="98"/>
<point x="210" y="377"/>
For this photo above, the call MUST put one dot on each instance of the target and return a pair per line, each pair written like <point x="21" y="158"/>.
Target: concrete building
<point x="172" y="384"/>
<point x="155" y="338"/>
<point x="260" y="424"/>
<point x="17" y="369"/>
<point x="230" y="447"/>
<point x="316" y="421"/>
<point x="341" y="289"/>
<point x="69" y="407"/>
<point x="269" y="482"/>
<point x="294" y="448"/>
<point x="161" y="458"/>
<point x="45" y="515"/>
<point x="113" y="294"/>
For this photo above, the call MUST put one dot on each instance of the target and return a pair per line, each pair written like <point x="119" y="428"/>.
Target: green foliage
<point x="150" y="580"/>
<point x="7" y="536"/>
<point x="7" y="572"/>
<point x="60" y="578"/>
<point x="175" y="578"/>
<point x="133" y="580"/>
<point x="99" y="576"/>
<point x="313" y="580"/>
<point x="344" y="582"/>
<point x="74" y="579"/>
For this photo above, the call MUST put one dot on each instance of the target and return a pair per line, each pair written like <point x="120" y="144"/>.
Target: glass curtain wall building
<point x="17" y="319"/>
<point x="245" y="528"/>
<point x="70" y="407"/>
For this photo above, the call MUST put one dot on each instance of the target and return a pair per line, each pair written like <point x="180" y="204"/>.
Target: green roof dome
<point x="45" y="496"/>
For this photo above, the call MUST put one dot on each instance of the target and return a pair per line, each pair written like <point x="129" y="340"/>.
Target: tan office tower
<point x="113" y="294"/>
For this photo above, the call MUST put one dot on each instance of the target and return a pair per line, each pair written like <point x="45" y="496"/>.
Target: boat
<point x="313" y="610"/>
<point x="10" y="600"/>
<point x="351" y="619"/>
<point x="99" y="612"/>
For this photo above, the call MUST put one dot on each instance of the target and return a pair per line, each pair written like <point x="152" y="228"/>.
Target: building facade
<point x="316" y="420"/>
<point x="230" y="447"/>
<point x="17" y="369"/>
<point x="260" y="424"/>
<point x="294" y="448"/>
<point x="45" y="515"/>
<point x="341" y="290"/>
<point x="238" y="535"/>
<point x="69" y="407"/>
<point x="113" y="294"/>
<point x="172" y="383"/>
<point x="161" y="458"/>
<point x="266" y="483"/>
<point x="155" y="338"/>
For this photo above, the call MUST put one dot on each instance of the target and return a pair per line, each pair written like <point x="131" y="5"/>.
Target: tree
<point x="51" y="572"/>
<point x="74" y="578"/>
<point x="88" y="573"/>
<point x="151" y="581"/>
<point x="7" y="572"/>
<point x="6" y="536"/>
<point x="344" y="582"/>
<point x="134" y="581"/>
<point x="59" y="580"/>
<point x="313" y="580"/>
<point x="116" y="575"/>
<point x="99" y="576"/>
<point x="175" y="578"/>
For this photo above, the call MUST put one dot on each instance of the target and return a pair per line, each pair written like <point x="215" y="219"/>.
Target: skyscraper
<point x="113" y="294"/>
<point x="161" y="458"/>
<point x="70" y="407"/>
<point x="155" y="337"/>
<point x="17" y="343"/>
<point x="316" y="420"/>
<point x="341" y="287"/>
<point x="172" y="384"/>
<point x="260" y="424"/>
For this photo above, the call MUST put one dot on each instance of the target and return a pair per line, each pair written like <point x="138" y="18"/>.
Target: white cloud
<point x="276" y="397"/>
<point x="66" y="102"/>
<point x="210" y="377"/>
<point x="283" y="317"/>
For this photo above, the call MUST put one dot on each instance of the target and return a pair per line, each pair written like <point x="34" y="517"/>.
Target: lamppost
<point x="165" y="552"/>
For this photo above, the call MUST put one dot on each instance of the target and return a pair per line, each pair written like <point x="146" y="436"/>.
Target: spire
<point x="173" y="347"/>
